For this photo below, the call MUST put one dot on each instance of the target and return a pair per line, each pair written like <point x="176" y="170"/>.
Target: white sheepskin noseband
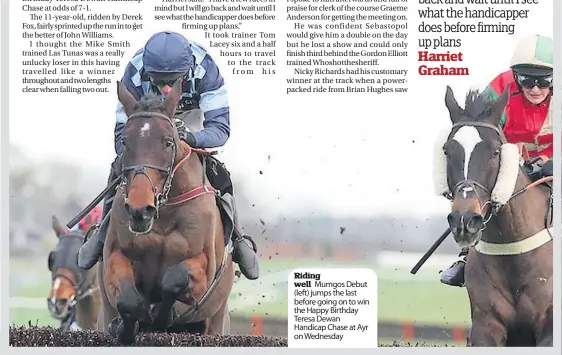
<point x="507" y="175"/>
<point x="440" y="164"/>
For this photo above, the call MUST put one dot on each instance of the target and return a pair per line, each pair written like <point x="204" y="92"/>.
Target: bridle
<point x="161" y="198"/>
<point x="467" y="185"/>
<point x="470" y="185"/>
<point x="82" y="288"/>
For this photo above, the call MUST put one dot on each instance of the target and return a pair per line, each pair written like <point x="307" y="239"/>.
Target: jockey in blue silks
<point x="166" y="57"/>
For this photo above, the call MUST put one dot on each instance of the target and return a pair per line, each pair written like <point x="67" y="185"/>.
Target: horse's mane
<point x="149" y="103"/>
<point x="477" y="103"/>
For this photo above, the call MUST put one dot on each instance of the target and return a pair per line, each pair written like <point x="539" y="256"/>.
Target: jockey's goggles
<point x="163" y="79"/>
<point x="528" y="81"/>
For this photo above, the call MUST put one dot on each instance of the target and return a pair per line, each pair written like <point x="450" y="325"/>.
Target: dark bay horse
<point x="503" y="217"/>
<point x="167" y="265"/>
<point x="74" y="293"/>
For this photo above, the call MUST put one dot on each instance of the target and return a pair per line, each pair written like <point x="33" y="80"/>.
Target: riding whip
<point x="93" y="204"/>
<point x="430" y="251"/>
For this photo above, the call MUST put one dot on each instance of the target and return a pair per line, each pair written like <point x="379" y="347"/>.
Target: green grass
<point x="421" y="299"/>
<point x="40" y="317"/>
<point x="402" y="297"/>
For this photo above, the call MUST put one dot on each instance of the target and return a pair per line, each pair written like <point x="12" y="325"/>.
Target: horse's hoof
<point x="160" y="321"/>
<point x="130" y="304"/>
<point x="112" y="328"/>
<point x="118" y="329"/>
<point x="126" y="333"/>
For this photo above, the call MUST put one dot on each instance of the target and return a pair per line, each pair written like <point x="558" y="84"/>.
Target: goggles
<point x="528" y="81"/>
<point x="163" y="79"/>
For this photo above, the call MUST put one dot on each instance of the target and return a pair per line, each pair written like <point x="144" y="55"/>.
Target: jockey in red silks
<point x="92" y="218"/>
<point x="527" y="117"/>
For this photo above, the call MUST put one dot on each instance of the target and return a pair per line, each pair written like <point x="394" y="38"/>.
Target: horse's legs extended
<point x="487" y="331"/>
<point x="131" y="306"/>
<point x="176" y="284"/>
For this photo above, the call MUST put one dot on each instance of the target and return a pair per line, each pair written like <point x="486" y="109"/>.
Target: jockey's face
<point x="535" y="95"/>
<point x="165" y="83"/>
<point x="535" y="88"/>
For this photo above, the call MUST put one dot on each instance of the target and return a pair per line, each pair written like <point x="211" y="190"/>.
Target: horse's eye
<point x="169" y="143"/>
<point x="445" y="152"/>
<point x="496" y="153"/>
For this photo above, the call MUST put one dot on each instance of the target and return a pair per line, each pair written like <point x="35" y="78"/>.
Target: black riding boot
<point x="454" y="275"/>
<point x="92" y="250"/>
<point x="245" y="255"/>
<point x="245" y="251"/>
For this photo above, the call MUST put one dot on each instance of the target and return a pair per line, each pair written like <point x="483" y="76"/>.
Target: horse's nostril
<point x="454" y="219"/>
<point x="142" y="213"/>
<point x="149" y="211"/>
<point x="475" y="223"/>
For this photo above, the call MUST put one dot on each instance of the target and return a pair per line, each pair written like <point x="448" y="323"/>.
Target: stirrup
<point x="94" y="228"/>
<point x="456" y="263"/>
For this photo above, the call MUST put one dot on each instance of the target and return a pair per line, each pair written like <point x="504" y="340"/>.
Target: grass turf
<point x="402" y="297"/>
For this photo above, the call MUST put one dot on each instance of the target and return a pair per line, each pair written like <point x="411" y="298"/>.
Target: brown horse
<point x="167" y="265"/>
<point x="74" y="293"/>
<point x="503" y="217"/>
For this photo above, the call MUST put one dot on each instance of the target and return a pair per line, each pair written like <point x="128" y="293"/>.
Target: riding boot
<point x="244" y="251"/>
<point x="92" y="249"/>
<point x="454" y="275"/>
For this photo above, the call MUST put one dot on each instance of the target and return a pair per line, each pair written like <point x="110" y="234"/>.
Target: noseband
<point x="161" y="198"/>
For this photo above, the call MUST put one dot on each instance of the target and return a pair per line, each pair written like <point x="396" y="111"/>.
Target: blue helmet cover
<point x="167" y="52"/>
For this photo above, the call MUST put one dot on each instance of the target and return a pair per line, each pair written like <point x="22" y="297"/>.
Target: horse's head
<point x="68" y="278"/>
<point x="150" y="149"/>
<point x="478" y="168"/>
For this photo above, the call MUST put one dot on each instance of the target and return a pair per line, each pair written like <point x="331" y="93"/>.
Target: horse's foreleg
<point x="219" y="323"/>
<point x="188" y="276"/>
<point x="174" y="283"/>
<point x="487" y="331"/>
<point x="544" y="332"/>
<point x="120" y="285"/>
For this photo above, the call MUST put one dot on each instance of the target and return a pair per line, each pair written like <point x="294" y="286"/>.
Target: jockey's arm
<point x="494" y="89"/>
<point x="129" y="77"/>
<point x="213" y="103"/>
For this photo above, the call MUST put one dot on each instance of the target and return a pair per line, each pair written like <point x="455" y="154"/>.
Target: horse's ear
<point x="58" y="227"/>
<point x="125" y="98"/>
<point x="173" y="98"/>
<point x="498" y="106"/>
<point x="455" y="111"/>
